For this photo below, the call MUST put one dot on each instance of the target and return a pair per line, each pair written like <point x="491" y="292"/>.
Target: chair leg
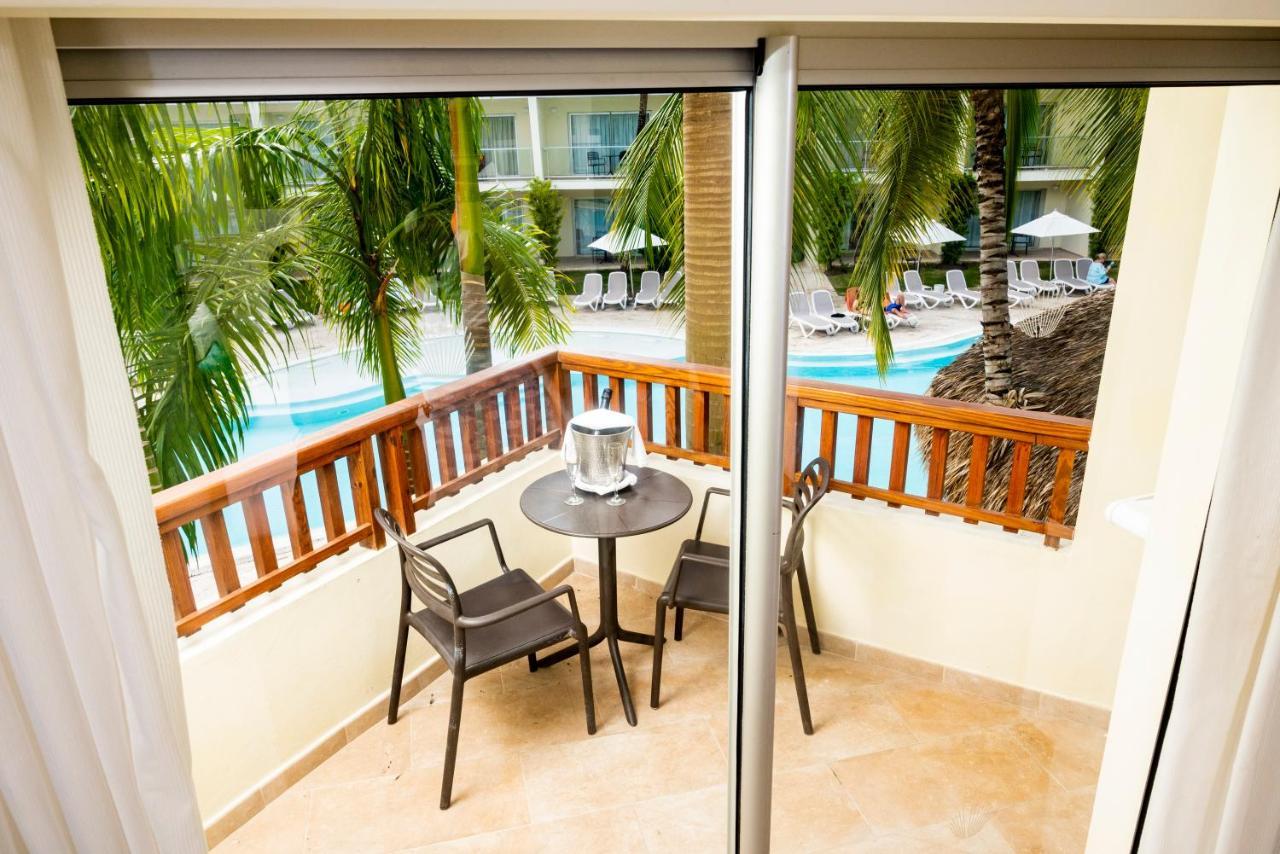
<point x="797" y="666"/>
<point x="584" y="660"/>
<point x="533" y="663"/>
<point x="397" y="673"/>
<point x="806" y="600"/>
<point x="451" y="745"/>
<point x="679" y="630"/>
<point x="659" y="629"/>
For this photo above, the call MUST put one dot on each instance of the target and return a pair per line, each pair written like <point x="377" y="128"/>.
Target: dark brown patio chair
<point x="700" y="580"/>
<point x="494" y="623"/>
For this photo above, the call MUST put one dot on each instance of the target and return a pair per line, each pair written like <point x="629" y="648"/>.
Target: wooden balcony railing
<point x="407" y="455"/>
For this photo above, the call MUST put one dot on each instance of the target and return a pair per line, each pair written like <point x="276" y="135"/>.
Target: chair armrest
<point x="467" y="529"/>
<point x="706" y="499"/>
<point x="501" y="614"/>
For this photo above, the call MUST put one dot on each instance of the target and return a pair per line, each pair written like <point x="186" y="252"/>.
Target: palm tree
<point x="341" y="206"/>
<point x="919" y="141"/>
<point x="393" y="206"/>
<point x="193" y="316"/>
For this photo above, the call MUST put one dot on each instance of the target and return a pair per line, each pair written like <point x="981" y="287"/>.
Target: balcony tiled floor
<point x="896" y="764"/>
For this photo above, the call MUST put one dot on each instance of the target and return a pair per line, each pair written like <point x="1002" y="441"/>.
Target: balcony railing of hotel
<point x="506" y="162"/>
<point x="407" y="455"/>
<point x="582" y="161"/>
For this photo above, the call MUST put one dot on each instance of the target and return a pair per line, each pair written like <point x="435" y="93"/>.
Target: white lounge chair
<point x="915" y="287"/>
<point x="650" y="284"/>
<point x="1015" y="282"/>
<point x="959" y="289"/>
<point x="802" y="316"/>
<point x="617" y="290"/>
<point x="1082" y="268"/>
<point x="1031" y="275"/>
<point x="592" y="285"/>
<point x="824" y="306"/>
<point x="906" y="298"/>
<point x="664" y="295"/>
<point x="1064" y="273"/>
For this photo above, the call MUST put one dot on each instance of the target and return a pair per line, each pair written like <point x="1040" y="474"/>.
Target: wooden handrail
<point x="409" y="454"/>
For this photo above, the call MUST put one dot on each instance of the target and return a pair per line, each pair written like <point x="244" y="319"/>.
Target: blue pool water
<point x="303" y="399"/>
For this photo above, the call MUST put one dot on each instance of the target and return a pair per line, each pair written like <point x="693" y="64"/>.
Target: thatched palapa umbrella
<point x="1057" y="373"/>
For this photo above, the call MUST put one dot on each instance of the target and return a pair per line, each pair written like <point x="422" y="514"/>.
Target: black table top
<point x="656" y="500"/>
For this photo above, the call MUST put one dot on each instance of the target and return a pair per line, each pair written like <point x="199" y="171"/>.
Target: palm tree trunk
<point x="708" y="168"/>
<point x="392" y="384"/>
<point x="642" y="114"/>
<point x="989" y="163"/>
<point x="468" y="231"/>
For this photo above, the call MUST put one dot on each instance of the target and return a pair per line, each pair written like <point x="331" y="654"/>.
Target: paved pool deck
<point x="939" y="326"/>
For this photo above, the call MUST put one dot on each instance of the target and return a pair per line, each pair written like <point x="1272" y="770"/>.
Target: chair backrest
<point x="912" y="281"/>
<point x="423" y="574"/>
<point x="956" y="282"/>
<point x="799" y="305"/>
<point x="617" y="283"/>
<point x="1030" y="268"/>
<point x="649" y="282"/>
<point x="813" y="483"/>
<point x="823" y="304"/>
<point x="592" y="285"/>
<point x="1063" y="269"/>
<point x="1011" y="272"/>
<point x="1082" y="268"/>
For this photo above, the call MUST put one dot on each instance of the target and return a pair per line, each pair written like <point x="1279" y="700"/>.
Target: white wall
<point x="1211" y="224"/>
<point x="278" y="677"/>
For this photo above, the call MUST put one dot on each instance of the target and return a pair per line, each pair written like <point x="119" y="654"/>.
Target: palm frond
<point x="1106" y="125"/>
<point x="916" y="150"/>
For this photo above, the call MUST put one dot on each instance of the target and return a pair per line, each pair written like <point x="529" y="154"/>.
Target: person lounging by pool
<point x="897" y="309"/>
<point x="1100" y="271"/>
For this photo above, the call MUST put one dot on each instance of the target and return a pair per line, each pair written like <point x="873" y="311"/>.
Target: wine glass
<point x="571" y="469"/>
<point x="617" y="500"/>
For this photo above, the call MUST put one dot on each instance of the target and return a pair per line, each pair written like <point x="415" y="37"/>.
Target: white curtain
<point x="92" y="757"/>
<point x="1217" y="782"/>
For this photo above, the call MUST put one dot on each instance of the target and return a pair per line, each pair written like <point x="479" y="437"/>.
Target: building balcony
<point x="287" y="655"/>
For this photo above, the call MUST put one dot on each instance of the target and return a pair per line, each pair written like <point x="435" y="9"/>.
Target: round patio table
<point x="656" y="500"/>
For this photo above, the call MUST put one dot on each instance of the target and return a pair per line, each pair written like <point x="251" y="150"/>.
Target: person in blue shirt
<point x="1100" y="271"/>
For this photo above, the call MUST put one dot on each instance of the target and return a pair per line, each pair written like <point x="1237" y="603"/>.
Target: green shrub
<point x="545" y="206"/>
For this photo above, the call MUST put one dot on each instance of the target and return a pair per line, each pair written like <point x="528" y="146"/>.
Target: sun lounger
<point x="915" y="287"/>
<point x="1082" y="268"/>
<point x="906" y="298"/>
<point x="650" y="283"/>
<point x="1017" y="285"/>
<point x="1031" y="275"/>
<point x="617" y="291"/>
<point x="664" y="295"/>
<point x="592" y="284"/>
<point x="824" y="306"/>
<point x="802" y="317"/>
<point x="959" y="289"/>
<point x="1065" y="274"/>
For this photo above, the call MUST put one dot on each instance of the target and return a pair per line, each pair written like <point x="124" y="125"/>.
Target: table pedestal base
<point x="608" y="630"/>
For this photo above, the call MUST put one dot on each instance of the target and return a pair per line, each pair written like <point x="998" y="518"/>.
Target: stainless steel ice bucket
<point x="602" y="453"/>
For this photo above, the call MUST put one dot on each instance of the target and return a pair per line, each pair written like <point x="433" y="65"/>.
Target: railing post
<point x="395" y="478"/>
<point x="560" y="404"/>
<point x="364" y="491"/>
<point x="792" y="442"/>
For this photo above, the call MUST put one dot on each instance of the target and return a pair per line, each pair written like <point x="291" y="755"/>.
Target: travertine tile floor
<point x="897" y="764"/>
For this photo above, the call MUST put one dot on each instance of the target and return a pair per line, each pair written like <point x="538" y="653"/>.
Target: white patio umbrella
<point x="934" y="233"/>
<point x="620" y="243"/>
<point x="1054" y="225"/>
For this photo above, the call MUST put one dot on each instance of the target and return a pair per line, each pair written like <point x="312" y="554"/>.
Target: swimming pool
<point x="301" y="399"/>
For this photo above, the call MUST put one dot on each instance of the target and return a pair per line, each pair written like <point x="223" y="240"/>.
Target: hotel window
<point x="498" y="144"/>
<point x="598" y="141"/>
